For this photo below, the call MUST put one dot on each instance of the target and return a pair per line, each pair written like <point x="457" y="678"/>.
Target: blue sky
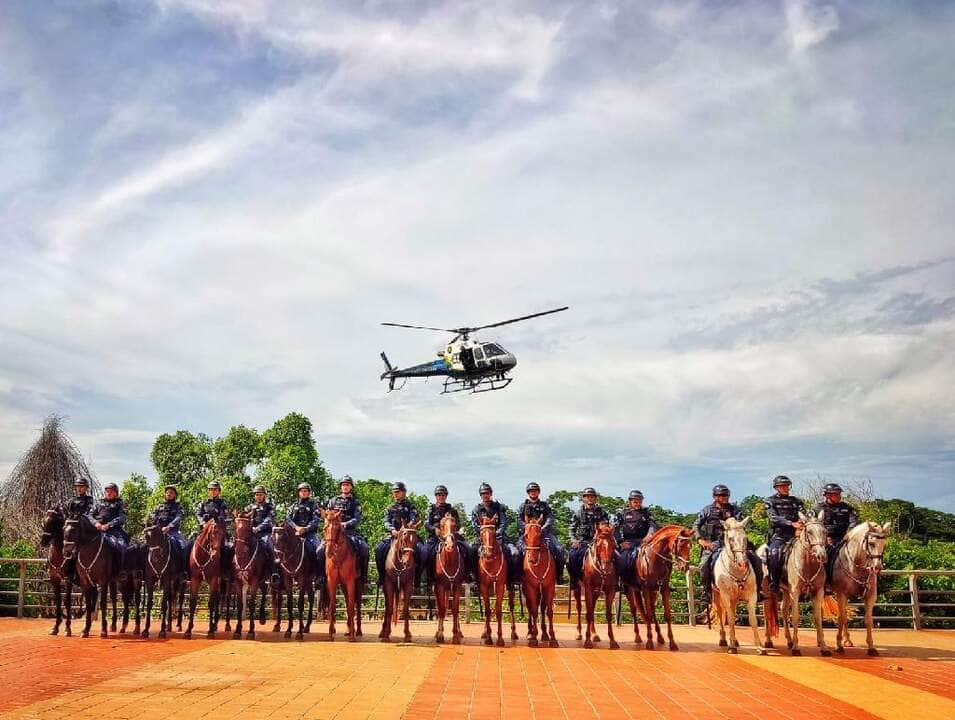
<point x="209" y="207"/>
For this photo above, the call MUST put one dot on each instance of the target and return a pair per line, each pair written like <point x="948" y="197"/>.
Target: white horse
<point x="805" y="575"/>
<point x="734" y="580"/>
<point x="855" y="573"/>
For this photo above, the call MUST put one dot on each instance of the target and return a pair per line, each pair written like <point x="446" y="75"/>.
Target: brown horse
<point x="96" y="562"/>
<point x="341" y="568"/>
<point x="399" y="579"/>
<point x="539" y="584"/>
<point x="52" y="538"/>
<point x="599" y="576"/>
<point x="251" y="570"/>
<point x="654" y="560"/>
<point x="492" y="572"/>
<point x="165" y="567"/>
<point x="297" y="566"/>
<point x="450" y="573"/>
<point x="206" y="564"/>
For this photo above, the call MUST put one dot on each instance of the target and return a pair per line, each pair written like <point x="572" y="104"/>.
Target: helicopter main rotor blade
<point x="421" y="327"/>
<point x="514" y="320"/>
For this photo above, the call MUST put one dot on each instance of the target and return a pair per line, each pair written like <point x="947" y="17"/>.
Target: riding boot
<point x="706" y="577"/>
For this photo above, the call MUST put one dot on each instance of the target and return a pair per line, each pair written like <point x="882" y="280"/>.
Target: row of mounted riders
<point x="805" y="555"/>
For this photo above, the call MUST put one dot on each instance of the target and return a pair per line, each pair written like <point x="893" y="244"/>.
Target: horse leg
<point x="668" y="615"/>
<point x="126" y="591"/>
<point x="441" y="600"/>
<point x="102" y="598"/>
<point x="182" y="600"/>
<point x="359" y="601"/>
<point x="817" y="621"/>
<point x="869" y="605"/>
<point x="841" y="622"/>
<point x="275" y="590"/>
<point x="240" y="601"/>
<point x="456" y="634"/>
<point x="213" y="609"/>
<point x="349" y="589"/>
<point x="609" y="596"/>
<point x="112" y="600"/>
<point x="754" y="623"/>
<point x="650" y="611"/>
<point x="530" y="593"/>
<point x="58" y="603"/>
<point x="717" y="605"/>
<point x="656" y="620"/>
<point x="302" y="591"/>
<point x="588" y="620"/>
<point x="290" y="606"/>
<point x="68" y="610"/>
<point x="89" y="596"/>
<point x="510" y="604"/>
<point x="577" y="599"/>
<point x="729" y="610"/>
<point x="385" y="634"/>
<point x="137" y="599"/>
<point x="226" y="599"/>
<point x="150" y="591"/>
<point x="311" y="607"/>
<point x="331" y="587"/>
<point x="549" y="600"/>
<point x="499" y="610"/>
<point x="792" y="601"/>
<point x="486" y="604"/>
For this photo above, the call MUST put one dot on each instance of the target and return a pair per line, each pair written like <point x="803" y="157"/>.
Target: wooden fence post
<point x="690" y="599"/>
<point x="914" y="593"/>
<point x="21" y="588"/>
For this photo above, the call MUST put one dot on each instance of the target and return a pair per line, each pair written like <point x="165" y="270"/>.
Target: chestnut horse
<point x="52" y="538"/>
<point x="492" y="572"/>
<point x="399" y="579"/>
<point x="251" y="570"/>
<point x="668" y="546"/>
<point x="165" y="567"/>
<point x="450" y="573"/>
<point x="96" y="563"/>
<point x="341" y="568"/>
<point x="539" y="584"/>
<point x="599" y="576"/>
<point x="206" y="564"/>
<point x="297" y="566"/>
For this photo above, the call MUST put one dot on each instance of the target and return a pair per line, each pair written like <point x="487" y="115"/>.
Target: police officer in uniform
<point x="633" y="525"/>
<point x="213" y="507"/>
<point x="82" y="503"/>
<point x="782" y="511"/>
<point x="263" y="520"/>
<point x="432" y="521"/>
<point x="347" y="504"/>
<point x="303" y="518"/>
<point x="168" y="516"/>
<point x="708" y="529"/>
<point x="491" y="508"/>
<point x="109" y="517"/>
<point x="583" y="525"/>
<point x="534" y="507"/>
<point x="839" y="517"/>
<point x="400" y="511"/>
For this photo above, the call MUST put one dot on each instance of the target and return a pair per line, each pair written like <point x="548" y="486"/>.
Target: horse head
<point x="488" y="534"/>
<point x="735" y="540"/>
<point x="152" y="533"/>
<point x="813" y="534"/>
<point x="447" y="529"/>
<point x="867" y="541"/>
<point x="77" y="531"/>
<point x="333" y="525"/>
<point x="243" y="525"/>
<point x="212" y="534"/>
<point x="407" y="540"/>
<point x="52" y="528"/>
<point x="680" y="545"/>
<point x="532" y="532"/>
<point x="604" y="543"/>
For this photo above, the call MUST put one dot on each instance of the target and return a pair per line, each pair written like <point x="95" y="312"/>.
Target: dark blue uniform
<point x="838" y="518"/>
<point x="169" y="515"/>
<point x="304" y="514"/>
<point x="79" y="505"/>
<point x="539" y="509"/>
<point x="583" y="526"/>
<point x="212" y="509"/>
<point x="263" y="520"/>
<point x="781" y="511"/>
<point x="709" y="526"/>
<point x="400" y="511"/>
<point x="498" y="510"/>
<point x="113" y="514"/>
<point x="632" y="526"/>
<point x="350" y="509"/>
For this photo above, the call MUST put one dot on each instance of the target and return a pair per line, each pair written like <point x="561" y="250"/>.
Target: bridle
<point x="79" y="550"/>
<point x="244" y="569"/>
<point x="491" y="551"/>
<point x="538" y="548"/>
<point x="603" y="568"/>
<point x="211" y="552"/>
<point x="450" y="543"/>
<point x="869" y="557"/>
<point x="398" y="562"/>
<point x="802" y="539"/>
<point x="280" y="555"/>
<point x="738" y="553"/>
<point x="670" y="558"/>
<point x="149" y="555"/>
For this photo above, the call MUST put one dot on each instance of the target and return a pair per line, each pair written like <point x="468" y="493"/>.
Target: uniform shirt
<point x="263" y="517"/>
<point x="436" y="511"/>
<point x="709" y="521"/>
<point x="212" y="509"/>
<point x="634" y="525"/>
<point x="838" y="518"/>
<point x="398" y="511"/>
<point x="304" y="513"/>
<point x="79" y="505"/>
<point x="350" y="509"/>
<point x="782" y="511"/>
<point x="169" y="514"/>
<point x="584" y="523"/>
<point x="493" y="510"/>
<point x="111" y="513"/>
<point x="535" y="509"/>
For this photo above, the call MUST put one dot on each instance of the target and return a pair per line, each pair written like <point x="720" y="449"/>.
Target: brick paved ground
<point x="57" y="677"/>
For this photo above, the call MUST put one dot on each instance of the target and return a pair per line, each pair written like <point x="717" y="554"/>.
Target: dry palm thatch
<point x="43" y="478"/>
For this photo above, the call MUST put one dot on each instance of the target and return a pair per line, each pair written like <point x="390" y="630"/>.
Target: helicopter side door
<point x="480" y="361"/>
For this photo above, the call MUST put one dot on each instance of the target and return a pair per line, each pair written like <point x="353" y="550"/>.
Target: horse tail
<point x="830" y="608"/>
<point x="772" y="615"/>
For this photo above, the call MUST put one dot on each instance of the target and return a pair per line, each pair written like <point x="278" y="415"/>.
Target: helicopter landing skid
<point x="486" y="383"/>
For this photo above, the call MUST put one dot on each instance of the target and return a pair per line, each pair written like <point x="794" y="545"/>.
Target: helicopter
<point x="464" y="363"/>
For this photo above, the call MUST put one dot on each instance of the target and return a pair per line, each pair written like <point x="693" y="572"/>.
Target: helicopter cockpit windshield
<point x="493" y="350"/>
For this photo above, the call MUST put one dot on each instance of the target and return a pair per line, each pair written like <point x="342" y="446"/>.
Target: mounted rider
<point x="401" y="511"/>
<point x="838" y="517"/>
<point x="82" y="503"/>
<point x="109" y="517"/>
<point x="533" y="507"/>
<point x="491" y="508"/>
<point x="263" y="520"/>
<point x="708" y="529"/>
<point x="583" y="527"/>
<point x="632" y="525"/>
<point x="349" y="507"/>
<point x="168" y="516"/>
<point x="213" y="507"/>
<point x="432" y="522"/>
<point x="303" y="517"/>
<point x="782" y="511"/>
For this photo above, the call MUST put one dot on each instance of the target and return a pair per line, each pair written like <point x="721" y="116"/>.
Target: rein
<point x="149" y="557"/>
<point x="457" y="572"/>
<point x="79" y="557"/>
<point x="740" y="582"/>
<point x="195" y="557"/>
<point x="531" y="565"/>
<point x="255" y="552"/>
<point x="301" y="559"/>
<point x="806" y="584"/>
<point x="851" y="565"/>
<point x="489" y="553"/>
<point x="602" y="568"/>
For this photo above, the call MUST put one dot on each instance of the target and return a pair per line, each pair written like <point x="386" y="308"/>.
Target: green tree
<point x="290" y="458"/>
<point x="235" y="453"/>
<point x="136" y="496"/>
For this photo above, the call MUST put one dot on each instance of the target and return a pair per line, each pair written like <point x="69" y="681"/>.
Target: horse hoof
<point x="55" y="631"/>
<point x="69" y="633"/>
<point x="488" y="641"/>
<point x="358" y="633"/>
<point x="649" y="645"/>
<point x="211" y="635"/>
<point x="162" y="635"/>
<point x="840" y="650"/>
<point x="144" y="634"/>
<point x="768" y="644"/>
<point x="237" y="635"/>
<point x="456" y="640"/>
<point x="826" y="652"/>
<point x="408" y="638"/>
<point x="579" y="637"/>
<point x="796" y="652"/>
<point x="614" y="645"/>
<point x="122" y="631"/>
<point x="722" y="642"/>
<point x="532" y="642"/>
<point x="596" y="638"/>
<point x="515" y="637"/>
<point x="351" y="638"/>
<point x="384" y="638"/>
<point x="588" y="644"/>
<point x="732" y="651"/>
<point x="250" y="635"/>
<point x="872" y="652"/>
<point x="276" y="628"/>
<point x="789" y="644"/>
<point x="104" y="634"/>
<point x="554" y="643"/>
<point x="849" y="643"/>
<point x="85" y="633"/>
<point x="299" y="637"/>
<point x="288" y="634"/>
<point x="439" y="638"/>
<point x="673" y="647"/>
<point x="187" y="635"/>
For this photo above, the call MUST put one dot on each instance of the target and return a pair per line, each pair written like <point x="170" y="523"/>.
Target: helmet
<point x="396" y="486"/>
<point x="781" y="480"/>
<point x="588" y="491"/>
<point x="258" y="489"/>
<point x="831" y="488"/>
<point x="81" y="481"/>
<point x="440" y="489"/>
<point x="533" y="486"/>
<point x="484" y="488"/>
<point x="346" y="479"/>
<point x="720" y="490"/>
<point x="171" y="487"/>
<point x="305" y="486"/>
<point x="214" y="485"/>
<point x="111" y="486"/>
<point x="635" y="495"/>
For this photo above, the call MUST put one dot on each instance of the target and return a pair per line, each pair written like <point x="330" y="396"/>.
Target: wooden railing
<point x="26" y="592"/>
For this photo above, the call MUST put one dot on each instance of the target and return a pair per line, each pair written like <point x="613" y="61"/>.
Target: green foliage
<point x="236" y="452"/>
<point x="374" y="496"/>
<point x="289" y="458"/>
<point x="910" y="519"/>
<point x="182" y="458"/>
<point x="136" y="498"/>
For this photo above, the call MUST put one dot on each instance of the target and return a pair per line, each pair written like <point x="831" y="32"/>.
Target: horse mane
<point x="667" y="532"/>
<point x="861" y="529"/>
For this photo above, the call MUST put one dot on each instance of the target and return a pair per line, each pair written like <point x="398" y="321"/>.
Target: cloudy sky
<point x="209" y="207"/>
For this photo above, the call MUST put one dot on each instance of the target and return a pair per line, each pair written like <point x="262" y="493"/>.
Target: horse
<point x="492" y="571"/>
<point x="251" y="569"/>
<point x="165" y="567"/>
<point x="399" y="579"/>
<point x="96" y="563"/>
<point x="341" y="568"/>
<point x="539" y="584"/>
<point x="805" y="575"/>
<point x="450" y="574"/>
<point x="206" y="563"/>
<point x="297" y="566"/>
<point x="52" y="538"/>
<point x="129" y="580"/>
<point x="733" y="580"/>
<point x="855" y="573"/>
<point x="599" y="576"/>
<point x="653" y="565"/>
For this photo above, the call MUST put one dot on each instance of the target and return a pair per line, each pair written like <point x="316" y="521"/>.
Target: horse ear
<point x="802" y="517"/>
<point x="887" y="527"/>
<point x="746" y="521"/>
<point x="821" y="516"/>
